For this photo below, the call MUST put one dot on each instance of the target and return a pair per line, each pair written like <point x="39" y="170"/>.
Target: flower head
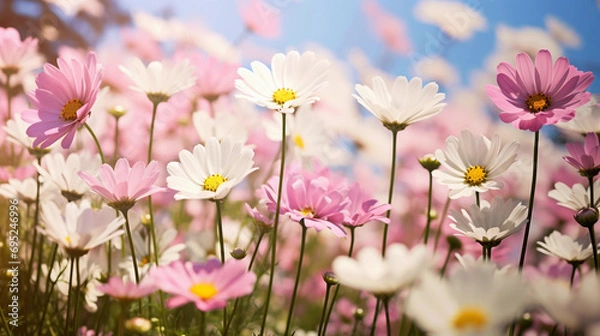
<point x="261" y="18"/>
<point x="575" y="197"/>
<point x="208" y="285"/>
<point x="473" y="164"/>
<point x="490" y="223"/>
<point x="124" y="185"/>
<point x="362" y="209"/>
<point x="127" y="290"/>
<point x="292" y="81"/>
<point x="536" y="94"/>
<point x="80" y="228"/>
<point x="564" y="247"/>
<point x="160" y="80"/>
<point x="17" y="56"/>
<point x="63" y="100"/>
<point x="405" y="103"/>
<point x="211" y="171"/>
<point x="585" y="157"/>
<point x="379" y="275"/>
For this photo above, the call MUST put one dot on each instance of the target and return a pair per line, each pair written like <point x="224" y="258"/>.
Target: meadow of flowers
<point x="148" y="190"/>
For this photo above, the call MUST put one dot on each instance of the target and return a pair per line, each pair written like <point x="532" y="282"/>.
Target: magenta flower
<point x="63" y="100"/>
<point x="125" y="290"/>
<point x="311" y="199"/>
<point x="124" y="185"/>
<point x="534" y="95"/>
<point x="208" y="285"/>
<point x="585" y="157"/>
<point x="363" y="209"/>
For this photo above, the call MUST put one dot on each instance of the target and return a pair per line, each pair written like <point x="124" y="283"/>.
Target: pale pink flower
<point x="260" y="18"/>
<point x="585" y="157"/>
<point x="214" y="78"/>
<point x="63" y="100"/>
<point x="208" y="285"/>
<point x="542" y="93"/>
<point x="314" y="200"/>
<point x="362" y="209"/>
<point x="124" y="185"/>
<point x="127" y="290"/>
<point x="391" y="29"/>
<point x="17" y="56"/>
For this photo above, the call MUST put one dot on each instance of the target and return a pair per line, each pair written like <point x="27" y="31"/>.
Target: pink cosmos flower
<point x="208" y="285"/>
<point x="124" y="185"/>
<point x="126" y="290"/>
<point x="311" y="199"/>
<point x="63" y="100"/>
<point x="585" y="157"/>
<point x="533" y="95"/>
<point x="15" y="55"/>
<point x="260" y="18"/>
<point x="214" y="78"/>
<point x="361" y="209"/>
<point x="392" y="30"/>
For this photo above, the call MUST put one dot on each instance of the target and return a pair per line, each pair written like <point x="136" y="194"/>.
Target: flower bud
<point x="429" y="162"/>
<point x="359" y="314"/>
<point x="587" y="217"/>
<point x="117" y="111"/>
<point x="238" y="253"/>
<point x="138" y="325"/>
<point x="330" y="278"/>
<point x="454" y="243"/>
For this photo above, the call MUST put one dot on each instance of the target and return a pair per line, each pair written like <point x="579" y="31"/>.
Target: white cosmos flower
<point x="473" y="164"/>
<point x="63" y="172"/>
<point x="291" y="82"/>
<point x="477" y="300"/>
<point x="574" y="198"/>
<point x="80" y="228"/>
<point x="564" y="247"/>
<point x="379" y="275"/>
<point x="160" y="80"/>
<point x="456" y="19"/>
<point x="209" y="172"/>
<point x="25" y="190"/>
<point x="405" y="103"/>
<point x="490" y="223"/>
<point x="587" y="118"/>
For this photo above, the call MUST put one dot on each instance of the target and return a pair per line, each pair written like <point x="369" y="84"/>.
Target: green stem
<point x="122" y="317"/>
<point x="446" y="261"/>
<point x="297" y="280"/>
<point x="36" y="220"/>
<point x="67" y="327"/>
<point x="154" y="109"/>
<point x="202" y="323"/>
<point x="78" y="293"/>
<point x="100" y="152"/>
<point x="275" y="225"/>
<point x="324" y="311"/>
<point x="5" y="322"/>
<point x="594" y="247"/>
<point x="49" y="289"/>
<point x="484" y="252"/>
<point x="116" y="140"/>
<point x="438" y="233"/>
<point x="477" y="199"/>
<point x="429" y="201"/>
<point x="572" y="279"/>
<point x="156" y="261"/>
<point x="220" y="231"/>
<point x="391" y="189"/>
<point x="337" y="288"/>
<point x="386" y="308"/>
<point x="131" y="246"/>
<point x="375" y="315"/>
<point x="536" y="142"/>
<point x="260" y="238"/>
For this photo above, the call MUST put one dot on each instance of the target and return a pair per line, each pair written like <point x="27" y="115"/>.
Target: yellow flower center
<point x="213" y="182"/>
<point x="69" y="111"/>
<point x="470" y="318"/>
<point x="307" y="212"/>
<point x="205" y="291"/>
<point x="145" y="260"/>
<point x="299" y="141"/>
<point x="475" y="175"/>
<point x="538" y="102"/>
<point x="281" y="96"/>
<point x="68" y="239"/>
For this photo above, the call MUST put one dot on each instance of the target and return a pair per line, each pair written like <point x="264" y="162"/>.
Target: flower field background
<point x="165" y="176"/>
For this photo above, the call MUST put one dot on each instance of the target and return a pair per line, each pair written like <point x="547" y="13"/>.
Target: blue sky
<point x="340" y="26"/>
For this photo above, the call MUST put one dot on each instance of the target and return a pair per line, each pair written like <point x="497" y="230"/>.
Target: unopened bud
<point x="429" y="162"/>
<point x="587" y="217"/>
<point x="454" y="243"/>
<point x="330" y="278"/>
<point x="359" y="314"/>
<point x="238" y="253"/>
<point x="138" y="325"/>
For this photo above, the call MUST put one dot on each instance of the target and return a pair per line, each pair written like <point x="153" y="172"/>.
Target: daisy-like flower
<point x="362" y="209"/>
<point x="80" y="228"/>
<point x="16" y="55"/>
<point x="586" y="118"/>
<point x="585" y="157"/>
<point x="378" y="275"/>
<point x="291" y="82"/>
<point x="261" y="18"/>
<point x="490" y="223"/>
<point x="574" y="198"/>
<point x="124" y="185"/>
<point x="26" y="190"/>
<point x="405" y="103"/>
<point x="16" y="131"/>
<point x="209" y="172"/>
<point x="160" y="80"/>
<point x="477" y="300"/>
<point x="313" y="200"/>
<point x="124" y="289"/>
<point x="208" y="285"/>
<point x="214" y="78"/>
<point x="63" y="100"/>
<point x="533" y="95"/>
<point x="474" y="164"/>
<point x="63" y="172"/>
<point x="564" y="247"/>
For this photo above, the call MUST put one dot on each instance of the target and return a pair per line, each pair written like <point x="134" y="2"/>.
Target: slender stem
<point x="446" y="261"/>
<point x="297" y="281"/>
<point x="78" y="293"/>
<point x="260" y="238"/>
<point x="484" y="252"/>
<point x="36" y="220"/>
<point x="275" y="225"/>
<point x="574" y="265"/>
<point x="87" y="127"/>
<point x="429" y="201"/>
<point x="156" y="260"/>
<point x="220" y="230"/>
<point x="477" y="199"/>
<point x="116" y="140"/>
<point x="48" y="288"/>
<point x="594" y="247"/>
<point x="391" y="189"/>
<point x="150" y="142"/>
<point x="67" y="324"/>
<point x="122" y="316"/>
<point x="324" y="311"/>
<point x="536" y="142"/>
<point x="386" y="308"/>
<point x="489" y="253"/>
<point x="438" y="234"/>
<point x="375" y="315"/>
<point x="131" y="247"/>
<point x="337" y="288"/>
<point x="202" y="323"/>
